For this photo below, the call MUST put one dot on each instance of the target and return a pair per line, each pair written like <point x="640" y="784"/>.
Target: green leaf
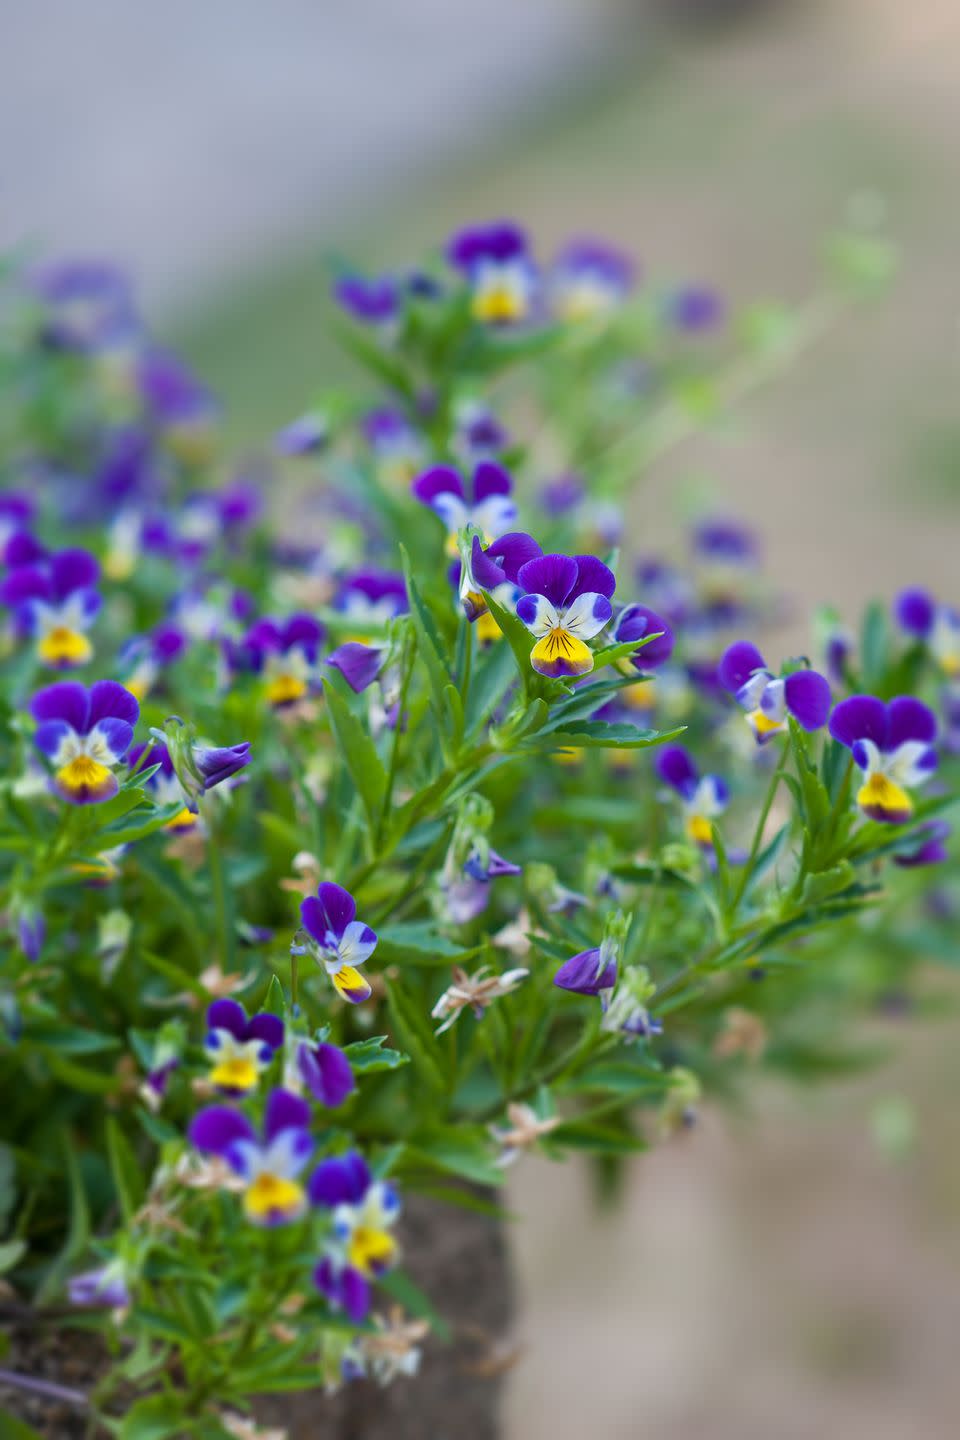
<point x="359" y="754"/>
<point x="819" y="885"/>
<point x="415" y="1037"/>
<point x="416" y="942"/>
<point x="67" y="1039"/>
<point x="11" y="1253"/>
<point x="13" y="1429"/>
<point x="125" y="1168"/>
<point x="398" y="1285"/>
<point x="155" y="1418"/>
<point x="620" y="1077"/>
<point x="517" y="636"/>
<point x="78" y="1233"/>
<point x="463" y="1150"/>
<point x="429" y="648"/>
<point x="368" y="1056"/>
<point x="613" y="654"/>
<point x="598" y="734"/>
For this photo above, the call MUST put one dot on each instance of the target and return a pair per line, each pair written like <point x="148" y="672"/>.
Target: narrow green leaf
<point x="359" y="754"/>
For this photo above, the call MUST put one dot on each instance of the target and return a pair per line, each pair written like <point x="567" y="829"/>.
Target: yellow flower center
<point x="284" y="689"/>
<point x="487" y="628"/>
<point x="699" y="830"/>
<point x="880" y="793"/>
<point x="236" y="1073"/>
<point x="559" y="648"/>
<point x="370" y="1249"/>
<point x="183" y="820"/>
<point x="63" y="646"/>
<point x="497" y="304"/>
<point x="83" y="773"/>
<point x="272" y="1195"/>
<point x="762" y="723"/>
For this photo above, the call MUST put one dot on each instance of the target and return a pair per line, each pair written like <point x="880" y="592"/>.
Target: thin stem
<point x="218" y="884"/>
<point x="747" y="874"/>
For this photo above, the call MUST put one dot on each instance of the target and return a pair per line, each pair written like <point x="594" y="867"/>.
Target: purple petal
<point x="326" y="1073"/>
<point x="737" y="664"/>
<point x="807" y="694"/>
<point x="67" y="701"/>
<point x="218" y="1127"/>
<point x="227" y="1015"/>
<point x="25" y="582"/>
<point x="285" y="1111"/>
<point x="441" y="480"/>
<point x="358" y="664"/>
<point x="593" y="577"/>
<point x="579" y="974"/>
<point x="861" y="717"/>
<point x="343" y="1179"/>
<point x="909" y="719"/>
<point x="915" y="611"/>
<point x="338" y="904"/>
<point x="509" y="554"/>
<point x="313" y="919"/>
<point x="50" y="735"/>
<point x="490" y="479"/>
<point x="677" y="767"/>
<point x="929" y="842"/>
<point x="638" y="621"/>
<point x="345" y="1288"/>
<point x="107" y="698"/>
<point x="73" y="570"/>
<point x="552" y="576"/>
<point x="302" y="630"/>
<point x="266" y="1027"/>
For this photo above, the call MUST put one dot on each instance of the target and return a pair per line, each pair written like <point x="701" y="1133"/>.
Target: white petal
<point x="587" y="615"/>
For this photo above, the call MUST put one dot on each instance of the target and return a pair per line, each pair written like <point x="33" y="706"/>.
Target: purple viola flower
<point x="485" y="502"/>
<point x="495" y="570"/>
<point x="372" y="598"/>
<point x="269" y="1166"/>
<point x="87" y="304"/>
<point x="326" y="1072"/>
<point x="496" y="262"/>
<point x="164" y="785"/>
<point x="590" y="278"/>
<point x="175" y="399"/>
<point x="374" y="301"/>
<point x="892" y="745"/>
<point x="105" y="1287"/>
<point x="704" y="796"/>
<point x="397" y="448"/>
<point x="466" y="891"/>
<point x="240" y="1050"/>
<point x="359" y="664"/>
<point x="56" y="601"/>
<point x="695" y="309"/>
<point x="936" y="626"/>
<point x="344" y="1288"/>
<point x="149" y="654"/>
<point x="304" y="436"/>
<point x="767" y="699"/>
<point x="31" y="929"/>
<point x="915" y="611"/>
<point x="592" y="972"/>
<point x="285" y="652"/>
<point x="479" y="434"/>
<point x="341" y="1180"/>
<point x="560" y="496"/>
<point x="565" y="604"/>
<point x="636" y="622"/>
<point x="85" y="734"/>
<point x="364" y="1211"/>
<point x="338" y="940"/>
<point x="216" y="763"/>
<point x="928" y="845"/>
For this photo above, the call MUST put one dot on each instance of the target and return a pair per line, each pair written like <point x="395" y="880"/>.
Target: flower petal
<point x="635" y="623"/>
<point x="357" y="943"/>
<point x="677" y="767"/>
<point x="909" y="719"/>
<point x="440" y="480"/>
<point x="737" y="664"/>
<point x="560" y="654"/>
<point x="350" y="985"/>
<point x="341" y="1180"/>
<point x="490" y="479"/>
<point x="358" y="664"/>
<point x="587" y="615"/>
<point x="338" y="904"/>
<point x="807" y="695"/>
<point x="266" y="1027"/>
<point x="217" y="1127"/>
<point x="552" y="576"/>
<point x="860" y="717"/>
<point x="915" y="611"/>
<point x="66" y="701"/>
<point x="227" y="1015"/>
<point x="326" y="1072"/>
<point x="538" y="614"/>
<point x="593" y="576"/>
<point x="285" y="1111"/>
<point x="108" y="699"/>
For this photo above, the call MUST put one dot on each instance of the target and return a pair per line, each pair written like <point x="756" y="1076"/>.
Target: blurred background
<point x="794" y="1272"/>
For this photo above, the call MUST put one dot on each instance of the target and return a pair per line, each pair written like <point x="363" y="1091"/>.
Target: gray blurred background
<point x="782" y="1274"/>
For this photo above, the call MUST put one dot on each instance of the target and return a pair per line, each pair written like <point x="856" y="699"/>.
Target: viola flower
<point x="590" y="279"/>
<point x="928" y="846"/>
<point x="364" y="1213"/>
<point x="725" y="552"/>
<point x="704" y="796"/>
<point x="636" y="622"/>
<point x="306" y="435"/>
<point x="370" y="599"/>
<point x="479" y="435"/>
<point x="373" y="301"/>
<point x="834" y="643"/>
<point x="269" y="1167"/>
<point x="85" y="734"/>
<point x="592" y="972"/>
<point x="627" y="1014"/>
<point x="398" y="450"/>
<point x="56" y="601"/>
<point x="767" y="699"/>
<point x="496" y="263"/>
<point x="105" y="1287"/>
<point x="694" y="309"/>
<point x="87" y="304"/>
<point x="359" y="664"/>
<point x="240" y="1050"/>
<point x="179" y="404"/>
<point x="465" y="888"/>
<point x="892" y="745"/>
<point x="338" y="940"/>
<point x="326" y="1072"/>
<point x="476" y="991"/>
<point x="164" y="785"/>
<point x="485" y="502"/>
<point x="198" y="766"/>
<point x="286" y="653"/>
<point x="567" y="602"/>
<point x="495" y="570"/>
<point x="937" y="626"/>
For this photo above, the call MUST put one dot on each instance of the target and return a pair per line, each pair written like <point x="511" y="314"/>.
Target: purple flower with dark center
<point x="269" y="1166"/>
<point x="485" y="502"/>
<point x="767" y="699"/>
<point x="285" y="652"/>
<point x="326" y="1072"/>
<point x="704" y="796"/>
<point x="928" y="845"/>
<point x="240" y="1050"/>
<point x="565" y="604"/>
<point x="892" y="745"/>
<point x="85" y="734"/>
<point x="589" y="279"/>
<point x="495" y="260"/>
<point x="339" y="941"/>
<point x="56" y="601"/>
<point x="374" y="301"/>
<point x="695" y="308"/>
<point x="636" y="622"/>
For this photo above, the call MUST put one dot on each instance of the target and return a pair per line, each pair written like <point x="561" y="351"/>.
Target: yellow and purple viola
<point x="286" y="653"/>
<point x="370" y="599"/>
<point x="85" y="734"/>
<point x="494" y="570"/>
<point x="705" y="797"/>
<point x="892" y="746"/>
<point x="485" y="501"/>
<point x="239" y="1048"/>
<point x="495" y="260"/>
<point x="769" y="699"/>
<point x="163" y="784"/>
<point x="566" y="602"/>
<point x="364" y="1212"/>
<point x="370" y="300"/>
<point x="55" y="600"/>
<point x="270" y="1165"/>
<point x="590" y="279"/>
<point x="338" y="940"/>
<point x="936" y="626"/>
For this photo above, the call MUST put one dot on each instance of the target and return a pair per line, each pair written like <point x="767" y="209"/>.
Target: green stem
<point x="218" y="885"/>
<point x="758" y="832"/>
